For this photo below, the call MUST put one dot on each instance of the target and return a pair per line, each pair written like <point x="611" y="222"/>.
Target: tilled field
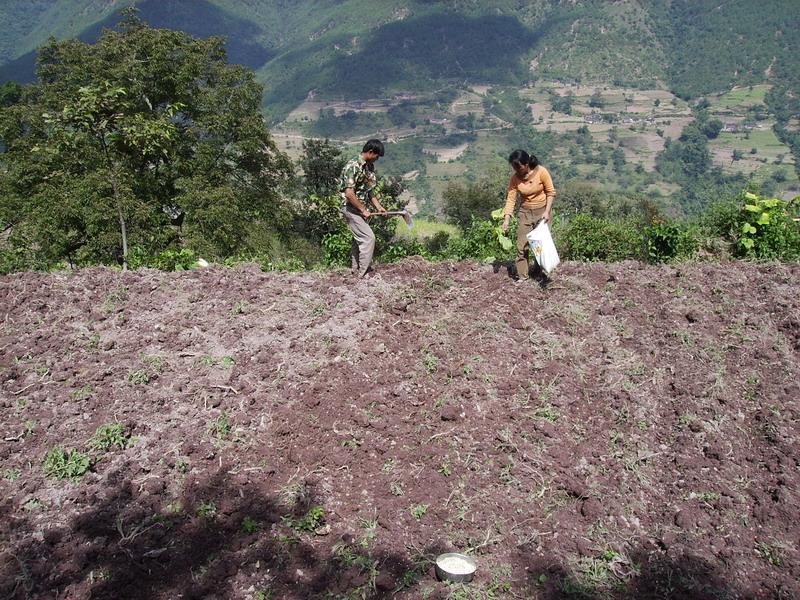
<point x="626" y="431"/>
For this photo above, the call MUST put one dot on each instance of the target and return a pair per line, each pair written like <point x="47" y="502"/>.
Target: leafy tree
<point x="618" y="158"/>
<point x="711" y="128"/>
<point x="580" y="197"/>
<point x="687" y="158"/>
<point x="462" y="203"/>
<point x="467" y="121"/>
<point x="596" y="100"/>
<point x="322" y="163"/>
<point x="583" y="137"/>
<point x="148" y="138"/>
<point x="10" y="93"/>
<point x="562" y="104"/>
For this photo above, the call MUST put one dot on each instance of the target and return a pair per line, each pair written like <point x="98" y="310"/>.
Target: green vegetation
<point x="250" y="525"/>
<point x="65" y="464"/>
<point x="11" y="474"/>
<point x="668" y="241"/>
<point x="767" y="229"/>
<point x="206" y="510"/>
<point x="107" y="161"/>
<point x="110" y="436"/>
<point x="148" y="139"/>
<point x="309" y="522"/>
<point x="221" y="427"/>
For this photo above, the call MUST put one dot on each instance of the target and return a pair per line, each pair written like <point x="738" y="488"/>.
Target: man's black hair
<point x="375" y="146"/>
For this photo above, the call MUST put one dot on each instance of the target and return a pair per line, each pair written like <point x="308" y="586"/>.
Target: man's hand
<point x="378" y="206"/>
<point x="546" y="216"/>
<point x="366" y="214"/>
<point x="506" y="223"/>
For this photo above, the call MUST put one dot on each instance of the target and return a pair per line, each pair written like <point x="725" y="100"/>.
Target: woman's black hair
<point x="375" y="146"/>
<point x="521" y="157"/>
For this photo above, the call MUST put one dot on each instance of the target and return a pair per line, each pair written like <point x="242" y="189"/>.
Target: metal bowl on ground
<point x="455" y="567"/>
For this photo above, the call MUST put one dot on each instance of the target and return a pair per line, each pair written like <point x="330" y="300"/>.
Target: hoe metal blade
<point x="402" y="213"/>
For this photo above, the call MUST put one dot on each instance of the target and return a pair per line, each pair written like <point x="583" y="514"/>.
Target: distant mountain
<point x="352" y="49"/>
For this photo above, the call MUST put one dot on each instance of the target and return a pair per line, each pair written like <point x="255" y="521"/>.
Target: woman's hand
<point x="505" y="223"/>
<point x="546" y="216"/>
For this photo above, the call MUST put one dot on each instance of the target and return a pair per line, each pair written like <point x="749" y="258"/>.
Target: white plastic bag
<point x="543" y="247"/>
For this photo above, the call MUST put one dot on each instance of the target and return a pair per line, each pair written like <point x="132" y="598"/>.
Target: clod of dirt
<point x="450" y="413"/>
<point x="385" y="582"/>
<point x="692" y="316"/>
<point x="606" y="309"/>
<point x="575" y="487"/>
<point x="591" y="509"/>
<point x="546" y="428"/>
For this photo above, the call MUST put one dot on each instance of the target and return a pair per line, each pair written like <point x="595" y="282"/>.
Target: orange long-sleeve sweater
<point x="534" y="190"/>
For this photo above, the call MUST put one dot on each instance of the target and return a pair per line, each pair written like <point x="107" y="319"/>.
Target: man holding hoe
<point x="356" y="185"/>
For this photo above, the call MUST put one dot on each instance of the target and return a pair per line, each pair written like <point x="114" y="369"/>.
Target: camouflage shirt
<point x="359" y="175"/>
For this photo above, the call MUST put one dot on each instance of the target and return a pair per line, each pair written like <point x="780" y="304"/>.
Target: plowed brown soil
<point x="627" y="431"/>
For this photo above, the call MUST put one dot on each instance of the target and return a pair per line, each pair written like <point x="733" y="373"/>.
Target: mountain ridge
<point x="692" y="48"/>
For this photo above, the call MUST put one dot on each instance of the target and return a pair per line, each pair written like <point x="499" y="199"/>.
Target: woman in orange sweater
<point x="535" y="187"/>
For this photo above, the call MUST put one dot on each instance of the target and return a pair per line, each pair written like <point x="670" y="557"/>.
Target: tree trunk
<point x="122" y="227"/>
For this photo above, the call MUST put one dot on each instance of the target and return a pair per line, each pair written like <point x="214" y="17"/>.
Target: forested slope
<point x="341" y="49"/>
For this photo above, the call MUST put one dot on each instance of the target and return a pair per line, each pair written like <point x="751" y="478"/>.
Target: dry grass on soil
<point x="626" y="431"/>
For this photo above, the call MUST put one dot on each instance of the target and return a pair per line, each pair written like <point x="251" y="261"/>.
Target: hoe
<point x="401" y="213"/>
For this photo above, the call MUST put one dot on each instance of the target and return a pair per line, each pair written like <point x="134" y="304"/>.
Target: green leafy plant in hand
<point x="504" y="242"/>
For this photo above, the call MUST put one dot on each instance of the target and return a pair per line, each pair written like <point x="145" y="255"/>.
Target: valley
<point x="610" y="136"/>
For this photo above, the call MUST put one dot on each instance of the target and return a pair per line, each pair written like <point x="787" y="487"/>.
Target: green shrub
<point x="588" y="238"/>
<point x="109" y="436"/>
<point x="336" y="248"/>
<point x="756" y="227"/>
<point x="400" y="249"/>
<point x="669" y="241"/>
<point x="483" y="240"/>
<point x="288" y="264"/>
<point x="168" y="260"/>
<point x="13" y="259"/>
<point x="767" y="230"/>
<point x="60" y="464"/>
<point x="719" y="220"/>
<point x="436" y="244"/>
<point x="311" y="521"/>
